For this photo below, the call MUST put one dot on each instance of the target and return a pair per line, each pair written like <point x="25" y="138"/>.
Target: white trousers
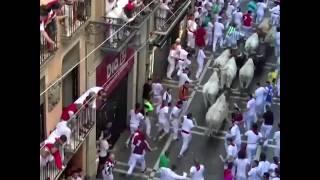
<point x="260" y="16"/>
<point x="107" y="177"/>
<point x="277" y="151"/>
<point x="260" y="108"/>
<point x="170" y="68"/>
<point x="217" y="38"/>
<point x="200" y="68"/>
<point x="275" y="19"/>
<point x="250" y="119"/>
<point x="251" y="152"/>
<point x="191" y="40"/>
<point x="148" y="126"/>
<point x="133" y="160"/>
<point x="164" y="125"/>
<point x="265" y="130"/>
<point x="209" y="38"/>
<point x="186" y="138"/>
<point x="175" y="128"/>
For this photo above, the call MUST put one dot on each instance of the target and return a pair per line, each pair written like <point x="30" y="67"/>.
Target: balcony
<point x="47" y="49"/>
<point x="76" y="14"/>
<point x="165" y="24"/>
<point x="80" y="124"/>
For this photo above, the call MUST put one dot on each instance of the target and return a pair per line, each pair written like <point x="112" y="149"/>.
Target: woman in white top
<point x="242" y="165"/>
<point x="261" y="6"/>
<point x="254" y="137"/>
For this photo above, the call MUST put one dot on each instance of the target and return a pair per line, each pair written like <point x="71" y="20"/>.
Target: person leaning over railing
<point x="51" y="151"/>
<point x="44" y="20"/>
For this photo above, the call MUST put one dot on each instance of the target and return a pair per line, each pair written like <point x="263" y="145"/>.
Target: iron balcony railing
<point x="80" y="124"/>
<point x="47" y="49"/>
<point x="165" y="20"/>
<point x="76" y="14"/>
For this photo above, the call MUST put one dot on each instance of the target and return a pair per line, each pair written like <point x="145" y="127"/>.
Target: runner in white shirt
<point x="237" y="18"/>
<point x="264" y="165"/>
<point x="157" y="90"/>
<point x="169" y="174"/>
<point x="254" y="137"/>
<point x="163" y="118"/>
<point x="276" y="138"/>
<point x="253" y="173"/>
<point x="200" y="61"/>
<point x="173" y="55"/>
<point x="261" y="6"/>
<point x="277" y="173"/>
<point x="275" y="15"/>
<point x="174" y="119"/>
<point x="209" y="31"/>
<point x="196" y="171"/>
<point x="191" y="28"/>
<point x="135" y="118"/>
<point x="260" y="102"/>
<point x="250" y="115"/>
<point x="232" y="150"/>
<point x="187" y="125"/>
<point x="229" y="12"/>
<point x="235" y="134"/>
<point x="218" y="34"/>
<point x="242" y="166"/>
<point x="167" y="96"/>
<point x="183" y="77"/>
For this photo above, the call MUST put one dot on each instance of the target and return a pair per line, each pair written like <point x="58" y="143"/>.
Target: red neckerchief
<point x="255" y="131"/>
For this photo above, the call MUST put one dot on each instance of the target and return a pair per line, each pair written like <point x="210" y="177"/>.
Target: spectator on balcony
<point x="130" y="8"/>
<point x="51" y="149"/>
<point x="44" y="20"/>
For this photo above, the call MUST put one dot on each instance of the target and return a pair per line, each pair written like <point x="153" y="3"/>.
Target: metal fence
<point x="80" y="125"/>
<point x="47" y="49"/>
<point x="76" y="14"/>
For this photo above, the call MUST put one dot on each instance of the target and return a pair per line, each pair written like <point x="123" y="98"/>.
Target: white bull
<point x="246" y="74"/>
<point x="211" y="89"/>
<point x="216" y="115"/>
<point x="222" y="59"/>
<point x="251" y="44"/>
<point x="228" y="73"/>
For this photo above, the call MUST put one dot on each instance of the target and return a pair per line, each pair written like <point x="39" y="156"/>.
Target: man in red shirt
<point x="200" y="36"/>
<point x="247" y="24"/>
<point x="140" y="145"/>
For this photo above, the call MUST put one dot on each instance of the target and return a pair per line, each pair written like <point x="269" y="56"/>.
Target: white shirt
<point x="241" y="165"/>
<point x="235" y="132"/>
<point x="135" y="118"/>
<point x="187" y="124"/>
<point x="168" y="174"/>
<point x="275" y="10"/>
<point x="218" y="28"/>
<point x="201" y="56"/>
<point x="232" y="151"/>
<point x="276" y="137"/>
<point x="237" y="16"/>
<point x="259" y="93"/>
<point x="175" y="112"/>
<point x="197" y="174"/>
<point x="251" y="106"/>
<point x="192" y="25"/>
<point x="230" y="10"/>
<point x="172" y="55"/>
<point x="263" y="167"/>
<point x="157" y="89"/>
<point x="63" y="129"/>
<point x="277" y="38"/>
<point x="163" y="114"/>
<point x="253" y="139"/>
<point x="209" y="28"/>
<point x="167" y="95"/>
<point x="253" y="174"/>
<point x="109" y="6"/>
<point x="276" y="178"/>
<point x="272" y="167"/>
<point x="261" y="6"/>
<point x="103" y="147"/>
<point x="183" y="77"/>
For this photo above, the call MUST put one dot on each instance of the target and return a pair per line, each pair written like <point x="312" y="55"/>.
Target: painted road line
<point x="121" y="171"/>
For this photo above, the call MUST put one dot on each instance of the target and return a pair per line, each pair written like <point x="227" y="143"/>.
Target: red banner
<point x="114" y="68"/>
